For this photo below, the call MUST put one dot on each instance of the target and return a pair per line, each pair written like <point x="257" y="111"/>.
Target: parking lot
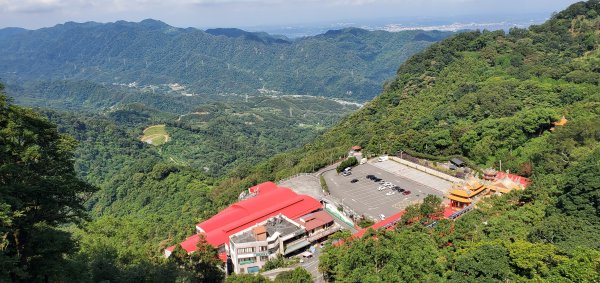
<point x="362" y="197"/>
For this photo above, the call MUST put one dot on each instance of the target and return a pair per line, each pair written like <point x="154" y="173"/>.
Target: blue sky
<point x="249" y="13"/>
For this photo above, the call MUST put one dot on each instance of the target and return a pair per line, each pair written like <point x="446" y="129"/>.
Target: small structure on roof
<point x="357" y="148"/>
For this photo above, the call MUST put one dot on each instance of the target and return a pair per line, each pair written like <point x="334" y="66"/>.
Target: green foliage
<point x="349" y="63"/>
<point x="364" y="223"/>
<point x="323" y="184"/>
<point x="350" y="162"/>
<point x="246" y="278"/>
<point x="40" y="192"/>
<point x="203" y="265"/>
<point x="278" y="262"/>
<point x="298" y="274"/>
<point x="491" y="96"/>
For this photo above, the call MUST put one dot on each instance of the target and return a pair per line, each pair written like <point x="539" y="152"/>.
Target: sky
<point x="34" y="14"/>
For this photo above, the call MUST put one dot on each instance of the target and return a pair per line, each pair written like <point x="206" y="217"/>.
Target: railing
<point x="461" y="212"/>
<point x="324" y="233"/>
<point x="455" y="215"/>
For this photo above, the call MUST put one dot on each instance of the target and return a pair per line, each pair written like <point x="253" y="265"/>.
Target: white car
<point x="381" y="188"/>
<point x="390" y="193"/>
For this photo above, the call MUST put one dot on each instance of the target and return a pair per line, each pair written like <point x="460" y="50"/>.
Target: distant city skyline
<point x="33" y="14"/>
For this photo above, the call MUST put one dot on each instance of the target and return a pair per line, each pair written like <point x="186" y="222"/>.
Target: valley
<point x="121" y="143"/>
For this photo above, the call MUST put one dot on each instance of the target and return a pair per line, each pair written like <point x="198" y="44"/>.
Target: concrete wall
<point x="427" y="170"/>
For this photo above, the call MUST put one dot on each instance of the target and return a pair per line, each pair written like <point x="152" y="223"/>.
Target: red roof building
<point x="515" y="178"/>
<point x="385" y="223"/>
<point x="315" y="220"/>
<point x="269" y="201"/>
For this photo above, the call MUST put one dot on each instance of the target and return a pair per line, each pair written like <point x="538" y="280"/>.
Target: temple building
<point x="493" y="182"/>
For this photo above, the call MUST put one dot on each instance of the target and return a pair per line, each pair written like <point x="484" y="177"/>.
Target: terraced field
<point x="156" y="135"/>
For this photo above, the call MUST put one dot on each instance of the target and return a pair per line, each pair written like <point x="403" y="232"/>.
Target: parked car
<point x="354" y="181"/>
<point x="382" y="182"/>
<point x="370" y="177"/>
<point x="406" y="193"/>
<point x="381" y="216"/>
<point x="377" y="180"/>
<point x="346" y="173"/>
<point x="390" y="193"/>
<point x="381" y="188"/>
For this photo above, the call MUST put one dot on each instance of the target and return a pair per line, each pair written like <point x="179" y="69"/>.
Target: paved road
<point x="363" y="197"/>
<point x="312" y="265"/>
<point x="304" y="184"/>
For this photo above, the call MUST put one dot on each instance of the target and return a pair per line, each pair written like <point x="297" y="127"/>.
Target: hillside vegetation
<point x="155" y="135"/>
<point x="486" y="96"/>
<point x="349" y="63"/>
<point x="489" y="97"/>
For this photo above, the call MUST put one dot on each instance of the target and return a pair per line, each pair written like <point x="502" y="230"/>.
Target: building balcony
<point x="323" y="233"/>
<point x="296" y="245"/>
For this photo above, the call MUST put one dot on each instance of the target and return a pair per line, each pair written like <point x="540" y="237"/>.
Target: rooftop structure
<point x="268" y="202"/>
<point x="252" y="247"/>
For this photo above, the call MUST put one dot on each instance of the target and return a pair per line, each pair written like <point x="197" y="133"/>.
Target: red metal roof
<point x="380" y="224"/>
<point x="246" y="213"/>
<point x="263" y="188"/>
<point x="516" y="178"/>
<point x="390" y="220"/>
<point x="314" y="220"/>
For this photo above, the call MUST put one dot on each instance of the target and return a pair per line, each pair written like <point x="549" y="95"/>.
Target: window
<point x="262" y="248"/>
<point x="243" y="261"/>
<point x="245" y="250"/>
<point x="264" y="258"/>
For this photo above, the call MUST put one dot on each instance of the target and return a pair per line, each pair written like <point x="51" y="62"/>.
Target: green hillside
<point x="485" y="96"/>
<point x="489" y="97"/>
<point x="350" y="63"/>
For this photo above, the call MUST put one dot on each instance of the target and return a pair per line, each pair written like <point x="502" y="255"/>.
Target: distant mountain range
<point x="351" y="63"/>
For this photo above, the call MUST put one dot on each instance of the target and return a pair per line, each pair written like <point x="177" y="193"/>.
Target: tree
<point x="582" y="189"/>
<point x="39" y="185"/>
<point x="202" y="265"/>
<point x="298" y="275"/>
<point x="247" y="278"/>
<point x="487" y="262"/>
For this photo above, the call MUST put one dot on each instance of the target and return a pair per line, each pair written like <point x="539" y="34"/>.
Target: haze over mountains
<point x="350" y="63"/>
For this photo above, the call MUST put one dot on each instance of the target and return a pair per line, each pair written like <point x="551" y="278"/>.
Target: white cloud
<point x="30" y="6"/>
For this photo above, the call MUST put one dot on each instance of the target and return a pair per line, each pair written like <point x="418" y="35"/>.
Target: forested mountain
<point x="485" y="96"/>
<point x="489" y="97"/>
<point x="348" y="63"/>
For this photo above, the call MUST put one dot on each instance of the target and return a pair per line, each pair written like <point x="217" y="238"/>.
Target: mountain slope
<point x="347" y="63"/>
<point x="490" y="97"/>
<point x="487" y="96"/>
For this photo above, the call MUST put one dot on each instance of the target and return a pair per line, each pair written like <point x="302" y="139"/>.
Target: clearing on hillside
<point x="155" y="135"/>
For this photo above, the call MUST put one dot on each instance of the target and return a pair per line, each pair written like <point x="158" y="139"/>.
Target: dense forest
<point x="488" y="97"/>
<point x="485" y="96"/>
<point x="348" y="63"/>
